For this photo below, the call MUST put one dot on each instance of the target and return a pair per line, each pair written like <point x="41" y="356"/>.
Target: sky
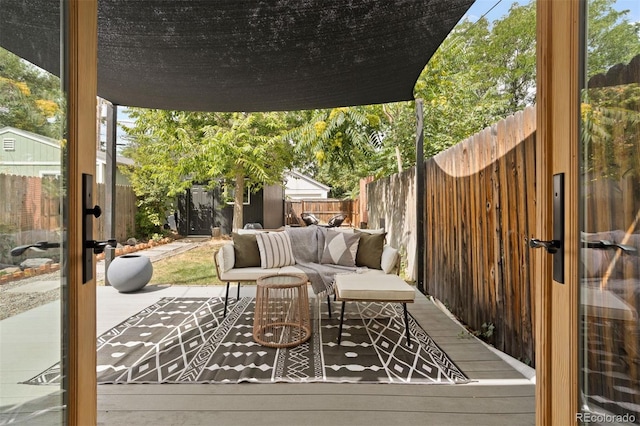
<point x="479" y="7"/>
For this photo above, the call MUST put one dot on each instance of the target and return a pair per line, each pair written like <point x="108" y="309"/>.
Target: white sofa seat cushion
<point x="371" y="286"/>
<point x="290" y="270"/>
<point x="251" y="273"/>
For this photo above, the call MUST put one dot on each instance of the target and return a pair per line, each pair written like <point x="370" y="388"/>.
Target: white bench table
<point x="369" y="287"/>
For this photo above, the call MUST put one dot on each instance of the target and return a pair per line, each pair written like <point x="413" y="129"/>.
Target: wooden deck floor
<point x="498" y="395"/>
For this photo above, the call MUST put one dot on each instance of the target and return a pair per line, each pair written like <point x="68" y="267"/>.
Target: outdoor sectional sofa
<point x="318" y="252"/>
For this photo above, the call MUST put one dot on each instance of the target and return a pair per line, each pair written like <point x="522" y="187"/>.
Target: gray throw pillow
<point x="245" y="247"/>
<point x="304" y="243"/>
<point x="340" y="248"/>
<point x="370" y="250"/>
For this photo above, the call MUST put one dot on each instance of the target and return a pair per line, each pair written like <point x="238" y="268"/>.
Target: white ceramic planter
<point x="129" y="272"/>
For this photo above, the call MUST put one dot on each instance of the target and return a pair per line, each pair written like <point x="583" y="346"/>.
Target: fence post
<point x="110" y="186"/>
<point x="420" y="189"/>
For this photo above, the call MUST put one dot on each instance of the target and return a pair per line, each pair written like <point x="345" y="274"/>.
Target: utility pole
<point x="110" y="186"/>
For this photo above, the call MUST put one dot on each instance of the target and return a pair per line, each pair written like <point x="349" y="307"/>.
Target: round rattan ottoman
<point x="282" y="311"/>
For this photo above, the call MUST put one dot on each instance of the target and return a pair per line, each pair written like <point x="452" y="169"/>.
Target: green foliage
<point x="146" y="222"/>
<point x="157" y="237"/>
<point x="610" y="115"/>
<point x="7" y="242"/>
<point x="30" y="99"/>
<point x="611" y="38"/>
<point x="479" y="75"/>
<point x="338" y="146"/>
<point x="247" y="149"/>
<point x="485" y="333"/>
<point x="510" y="58"/>
<point x="610" y="124"/>
<point x="175" y="149"/>
<point x="166" y="147"/>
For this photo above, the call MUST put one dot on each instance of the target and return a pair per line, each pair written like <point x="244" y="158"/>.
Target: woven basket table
<point x="282" y="311"/>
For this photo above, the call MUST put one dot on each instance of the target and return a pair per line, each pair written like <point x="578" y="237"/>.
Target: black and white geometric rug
<point x="186" y="340"/>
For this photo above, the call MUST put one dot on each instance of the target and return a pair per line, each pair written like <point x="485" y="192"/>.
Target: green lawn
<point x="194" y="267"/>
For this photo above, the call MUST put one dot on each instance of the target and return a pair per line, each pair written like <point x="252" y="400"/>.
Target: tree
<point x="247" y="149"/>
<point x="175" y="149"/>
<point x="611" y="38"/>
<point x="166" y="147"/>
<point x="459" y="99"/>
<point x="30" y="99"/>
<point x="338" y="144"/>
<point x="510" y="58"/>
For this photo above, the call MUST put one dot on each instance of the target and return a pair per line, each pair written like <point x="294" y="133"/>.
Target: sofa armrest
<point x="390" y="261"/>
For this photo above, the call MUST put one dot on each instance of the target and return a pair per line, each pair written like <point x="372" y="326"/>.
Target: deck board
<point x="497" y="395"/>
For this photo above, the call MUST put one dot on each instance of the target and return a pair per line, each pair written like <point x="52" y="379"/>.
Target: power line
<point x="487" y="12"/>
<point x="459" y="37"/>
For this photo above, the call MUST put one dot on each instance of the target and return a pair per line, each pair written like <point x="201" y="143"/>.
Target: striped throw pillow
<point x="275" y="250"/>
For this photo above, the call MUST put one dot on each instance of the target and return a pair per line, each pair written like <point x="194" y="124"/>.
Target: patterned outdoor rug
<point x="186" y="340"/>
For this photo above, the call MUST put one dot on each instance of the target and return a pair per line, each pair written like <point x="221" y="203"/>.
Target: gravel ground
<point x="14" y="301"/>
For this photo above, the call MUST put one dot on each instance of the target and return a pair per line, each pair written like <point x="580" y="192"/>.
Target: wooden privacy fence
<point x="392" y="204"/>
<point x="29" y="203"/>
<point x="31" y="208"/>
<point x="323" y="210"/>
<point x="126" y="208"/>
<point x="479" y="213"/>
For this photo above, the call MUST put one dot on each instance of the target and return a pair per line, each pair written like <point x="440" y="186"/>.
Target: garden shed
<point x="201" y="209"/>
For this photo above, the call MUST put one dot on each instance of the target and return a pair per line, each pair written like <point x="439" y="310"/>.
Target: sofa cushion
<point x="304" y="243"/>
<point x="370" y="250"/>
<point x="246" y="274"/>
<point x="340" y="248"/>
<point x="246" y="250"/>
<point x="389" y="259"/>
<point x="275" y="250"/>
<point x="226" y="258"/>
<point x="372" y="231"/>
<point x="290" y="270"/>
<point x="369" y="286"/>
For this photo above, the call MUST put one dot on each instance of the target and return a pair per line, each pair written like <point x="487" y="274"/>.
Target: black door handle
<point x="99" y="246"/>
<point x="608" y="245"/>
<point x="551" y="246"/>
<point x="40" y="245"/>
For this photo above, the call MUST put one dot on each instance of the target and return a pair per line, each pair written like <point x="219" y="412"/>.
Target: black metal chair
<point x="336" y="220"/>
<point x="309" y="219"/>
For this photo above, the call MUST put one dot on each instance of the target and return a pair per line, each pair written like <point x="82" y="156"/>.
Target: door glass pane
<point x="32" y="201"/>
<point x="610" y="205"/>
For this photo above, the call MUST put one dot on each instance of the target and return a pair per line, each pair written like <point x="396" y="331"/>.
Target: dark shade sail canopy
<point x="245" y="55"/>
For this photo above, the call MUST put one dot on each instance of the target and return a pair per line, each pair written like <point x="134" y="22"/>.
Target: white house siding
<point x="301" y="187"/>
<point x="36" y="155"/>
